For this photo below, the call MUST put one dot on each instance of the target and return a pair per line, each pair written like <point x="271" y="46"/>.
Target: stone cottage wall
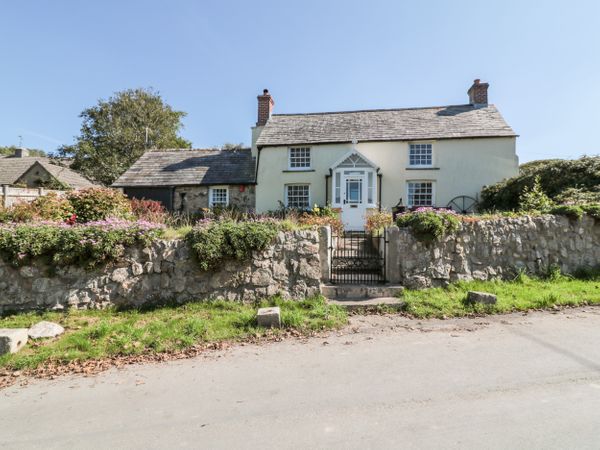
<point x="196" y="198"/>
<point x="167" y="271"/>
<point x="497" y="248"/>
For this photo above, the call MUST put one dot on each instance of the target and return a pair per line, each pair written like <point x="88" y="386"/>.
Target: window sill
<point x="297" y="170"/>
<point x="422" y="168"/>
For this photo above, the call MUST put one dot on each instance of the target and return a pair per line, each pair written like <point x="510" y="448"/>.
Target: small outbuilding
<point x="190" y="180"/>
<point x="24" y="171"/>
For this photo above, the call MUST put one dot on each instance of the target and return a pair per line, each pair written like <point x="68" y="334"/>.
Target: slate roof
<point x="181" y="167"/>
<point x="12" y="168"/>
<point x="441" y="122"/>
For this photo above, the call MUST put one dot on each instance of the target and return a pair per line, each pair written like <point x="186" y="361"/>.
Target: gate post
<point x="392" y="263"/>
<point x="325" y="253"/>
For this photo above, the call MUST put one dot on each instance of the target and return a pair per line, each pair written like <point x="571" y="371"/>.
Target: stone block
<point x="269" y="317"/>
<point x="45" y="329"/>
<point x="481" y="297"/>
<point x="12" y="339"/>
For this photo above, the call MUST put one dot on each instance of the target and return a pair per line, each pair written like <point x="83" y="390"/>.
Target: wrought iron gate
<point x="358" y="257"/>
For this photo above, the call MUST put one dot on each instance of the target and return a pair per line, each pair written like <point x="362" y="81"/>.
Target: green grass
<point x="522" y="294"/>
<point x="98" y="334"/>
<point x="176" y="233"/>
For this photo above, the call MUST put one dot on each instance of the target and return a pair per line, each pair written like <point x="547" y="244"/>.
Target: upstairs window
<point x="420" y="193"/>
<point x="218" y="196"/>
<point x="297" y="196"/>
<point x="299" y="158"/>
<point x="420" y="155"/>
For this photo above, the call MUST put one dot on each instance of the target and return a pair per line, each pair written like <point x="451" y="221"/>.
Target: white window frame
<point x="308" y="151"/>
<point x="408" y="202"/>
<point x="211" y="191"/>
<point x="410" y="148"/>
<point x="369" y="190"/>
<point x="286" y="197"/>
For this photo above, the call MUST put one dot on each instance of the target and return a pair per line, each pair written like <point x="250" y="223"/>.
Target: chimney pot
<point x="265" y="107"/>
<point x="478" y="94"/>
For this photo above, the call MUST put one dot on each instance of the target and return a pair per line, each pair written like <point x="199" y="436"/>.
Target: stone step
<point x="369" y="304"/>
<point x="360" y="291"/>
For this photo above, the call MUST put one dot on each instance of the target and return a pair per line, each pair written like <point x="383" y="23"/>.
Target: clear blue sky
<point x="211" y="59"/>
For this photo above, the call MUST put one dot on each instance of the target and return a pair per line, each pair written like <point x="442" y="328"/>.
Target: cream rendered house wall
<point x="460" y="167"/>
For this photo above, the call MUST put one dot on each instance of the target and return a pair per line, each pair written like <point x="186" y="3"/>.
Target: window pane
<point x="420" y="193"/>
<point x="298" y="196"/>
<point x="370" y="188"/>
<point x="354" y="191"/>
<point x="338" y="190"/>
<point x="299" y="157"/>
<point x="218" y="197"/>
<point x="420" y="155"/>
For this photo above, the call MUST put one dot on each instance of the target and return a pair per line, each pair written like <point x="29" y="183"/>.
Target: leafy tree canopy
<point x="117" y="131"/>
<point x="10" y="150"/>
<point x="564" y="181"/>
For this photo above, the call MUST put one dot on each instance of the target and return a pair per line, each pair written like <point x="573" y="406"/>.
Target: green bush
<point x="534" y="198"/>
<point x="571" y="211"/>
<point x="216" y="241"/>
<point x="99" y="203"/>
<point x="429" y="225"/>
<point x="52" y="207"/>
<point x="46" y="207"/>
<point x="63" y="245"/>
<point x="592" y="210"/>
<point x="562" y="180"/>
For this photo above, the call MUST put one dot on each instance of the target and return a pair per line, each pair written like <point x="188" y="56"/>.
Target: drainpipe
<point x="257" y="163"/>
<point x="327" y="177"/>
<point x="379" y="175"/>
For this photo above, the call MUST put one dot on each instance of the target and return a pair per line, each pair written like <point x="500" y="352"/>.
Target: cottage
<point x="189" y="180"/>
<point x="24" y="171"/>
<point x="360" y="161"/>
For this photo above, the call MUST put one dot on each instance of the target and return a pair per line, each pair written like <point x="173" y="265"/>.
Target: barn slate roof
<point x="182" y="167"/>
<point x="12" y="168"/>
<point x="440" y="122"/>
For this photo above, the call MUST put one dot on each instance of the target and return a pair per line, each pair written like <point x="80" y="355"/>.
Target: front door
<point x="354" y="206"/>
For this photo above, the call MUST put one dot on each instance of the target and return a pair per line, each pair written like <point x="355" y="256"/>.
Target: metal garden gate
<point x="358" y="257"/>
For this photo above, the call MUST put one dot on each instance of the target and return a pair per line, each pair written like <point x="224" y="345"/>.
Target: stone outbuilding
<point x="189" y="180"/>
<point x="25" y="171"/>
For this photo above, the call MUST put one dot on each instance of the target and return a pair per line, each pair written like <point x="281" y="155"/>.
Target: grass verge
<point x="522" y="294"/>
<point x="100" y="334"/>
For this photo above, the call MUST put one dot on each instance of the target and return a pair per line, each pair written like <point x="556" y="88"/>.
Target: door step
<point x="360" y="291"/>
<point x="369" y="304"/>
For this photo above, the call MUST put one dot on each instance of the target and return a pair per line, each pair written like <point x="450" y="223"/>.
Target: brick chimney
<point x="265" y="107"/>
<point x="21" y="152"/>
<point x="478" y="93"/>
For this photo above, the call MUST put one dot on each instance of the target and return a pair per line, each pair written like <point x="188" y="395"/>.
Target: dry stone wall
<point x="498" y="248"/>
<point x="167" y="271"/>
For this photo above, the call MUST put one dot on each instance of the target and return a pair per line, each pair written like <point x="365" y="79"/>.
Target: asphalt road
<point x="518" y="381"/>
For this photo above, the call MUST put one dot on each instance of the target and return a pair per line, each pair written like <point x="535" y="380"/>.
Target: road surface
<point x="517" y="381"/>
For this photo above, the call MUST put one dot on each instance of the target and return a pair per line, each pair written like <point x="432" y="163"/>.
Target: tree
<point x="534" y="198"/>
<point x="117" y="131"/>
<point x="10" y="150"/>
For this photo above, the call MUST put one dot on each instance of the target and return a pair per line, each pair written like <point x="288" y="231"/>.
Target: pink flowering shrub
<point x="62" y="244"/>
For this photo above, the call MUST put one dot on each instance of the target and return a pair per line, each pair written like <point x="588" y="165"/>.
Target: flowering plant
<point x="81" y="244"/>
